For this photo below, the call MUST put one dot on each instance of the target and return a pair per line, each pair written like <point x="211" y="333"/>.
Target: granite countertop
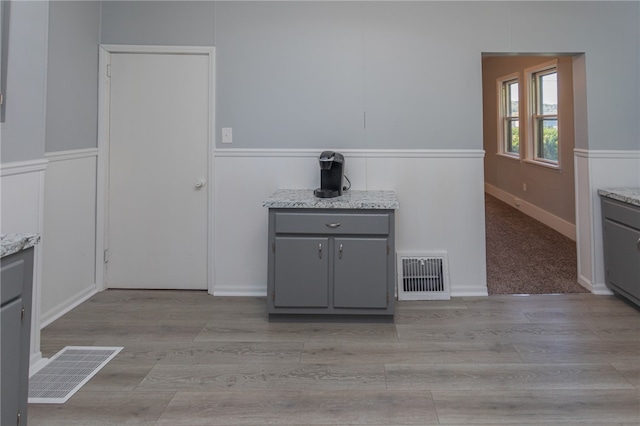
<point x="14" y="243"/>
<point x="626" y="195"/>
<point x="352" y="199"/>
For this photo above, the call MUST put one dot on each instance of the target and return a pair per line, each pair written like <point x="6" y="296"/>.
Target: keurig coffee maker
<point x="331" y="174"/>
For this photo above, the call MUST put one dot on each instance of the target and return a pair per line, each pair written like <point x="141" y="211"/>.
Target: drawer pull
<point x="333" y="225"/>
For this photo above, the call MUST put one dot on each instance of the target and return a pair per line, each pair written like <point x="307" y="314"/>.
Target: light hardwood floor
<point x="194" y="359"/>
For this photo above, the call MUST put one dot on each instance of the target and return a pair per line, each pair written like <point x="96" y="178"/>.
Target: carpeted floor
<point x="526" y="257"/>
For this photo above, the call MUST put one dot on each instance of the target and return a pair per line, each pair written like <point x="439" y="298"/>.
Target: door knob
<point x="200" y="183"/>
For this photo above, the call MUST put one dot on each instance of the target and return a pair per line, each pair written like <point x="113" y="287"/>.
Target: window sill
<point x="508" y="156"/>
<point x="549" y="166"/>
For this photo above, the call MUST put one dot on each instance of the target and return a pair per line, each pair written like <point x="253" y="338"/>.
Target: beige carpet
<point x="526" y="257"/>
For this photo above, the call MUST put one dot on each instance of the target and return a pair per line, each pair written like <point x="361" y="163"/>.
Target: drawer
<point x="12" y="278"/>
<point x="332" y="223"/>
<point x="621" y="213"/>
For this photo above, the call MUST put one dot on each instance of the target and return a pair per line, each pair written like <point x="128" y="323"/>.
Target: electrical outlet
<point x="227" y="136"/>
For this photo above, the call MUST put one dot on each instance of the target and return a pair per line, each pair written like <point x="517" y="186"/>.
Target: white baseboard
<point x="601" y="289"/>
<point x="36" y="363"/>
<point x="552" y="221"/>
<point x="469" y="291"/>
<point x="240" y="290"/>
<point x="59" y="310"/>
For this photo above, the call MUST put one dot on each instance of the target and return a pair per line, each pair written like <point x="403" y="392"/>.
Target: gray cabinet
<point x="621" y="240"/>
<point x="336" y="262"/>
<point x="302" y="272"/>
<point x="16" y="272"/>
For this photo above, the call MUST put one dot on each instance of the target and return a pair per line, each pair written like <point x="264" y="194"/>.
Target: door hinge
<point x="22" y="312"/>
<point x="108" y="70"/>
<point x="106" y="256"/>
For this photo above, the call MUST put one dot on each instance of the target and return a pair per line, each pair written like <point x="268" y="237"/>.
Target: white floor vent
<point x="423" y="276"/>
<point x="67" y="371"/>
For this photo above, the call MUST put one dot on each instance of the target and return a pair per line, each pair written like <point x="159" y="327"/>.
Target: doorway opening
<point x="530" y="198"/>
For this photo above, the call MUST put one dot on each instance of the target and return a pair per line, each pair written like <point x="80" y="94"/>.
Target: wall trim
<point x="20" y="167"/>
<point x="72" y="154"/>
<point x="558" y="224"/>
<point x="469" y="291"/>
<point x="257" y="290"/>
<point x="587" y="153"/>
<point x="151" y="48"/>
<point x="358" y="153"/>
<point x="63" y="308"/>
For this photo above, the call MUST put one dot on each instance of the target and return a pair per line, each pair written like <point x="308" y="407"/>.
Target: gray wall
<point x="72" y="77"/>
<point x="173" y="23"/>
<point x="300" y="74"/>
<point x="23" y="131"/>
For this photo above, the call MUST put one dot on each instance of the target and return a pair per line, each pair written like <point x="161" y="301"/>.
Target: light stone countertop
<point x="625" y="195"/>
<point x="352" y="199"/>
<point x="14" y="243"/>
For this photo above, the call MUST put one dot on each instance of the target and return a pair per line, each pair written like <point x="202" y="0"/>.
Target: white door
<point x="158" y="167"/>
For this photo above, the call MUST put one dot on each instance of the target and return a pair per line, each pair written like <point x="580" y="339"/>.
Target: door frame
<point x="102" y="193"/>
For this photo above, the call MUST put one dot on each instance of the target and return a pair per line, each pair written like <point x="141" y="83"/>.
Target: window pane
<point x="513" y="136"/>
<point x="513" y="100"/>
<point x="547" y="144"/>
<point x="549" y="94"/>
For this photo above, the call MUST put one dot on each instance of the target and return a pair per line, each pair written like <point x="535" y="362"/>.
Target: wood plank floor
<point x="194" y="359"/>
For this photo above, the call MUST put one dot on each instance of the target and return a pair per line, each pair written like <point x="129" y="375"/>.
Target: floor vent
<point x="67" y="371"/>
<point x="423" y="276"/>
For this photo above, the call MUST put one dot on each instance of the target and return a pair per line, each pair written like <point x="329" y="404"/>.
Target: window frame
<point x="504" y="116"/>
<point x="535" y="117"/>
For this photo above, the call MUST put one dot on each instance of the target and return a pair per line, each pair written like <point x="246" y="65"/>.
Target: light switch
<point x="227" y="135"/>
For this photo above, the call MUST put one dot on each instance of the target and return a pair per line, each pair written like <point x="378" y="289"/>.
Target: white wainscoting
<point x="441" y="194"/>
<point x="69" y="235"/>
<point x="596" y="169"/>
<point x="22" y="199"/>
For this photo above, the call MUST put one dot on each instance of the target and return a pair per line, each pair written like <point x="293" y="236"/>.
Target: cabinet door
<point x="11" y="330"/>
<point x="360" y="273"/>
<point x="301" y="272"/>
<point x="622" y="257"/>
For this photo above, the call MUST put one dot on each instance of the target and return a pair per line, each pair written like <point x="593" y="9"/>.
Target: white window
<point x="542" y="138"/>
<point x="509" y="116"/>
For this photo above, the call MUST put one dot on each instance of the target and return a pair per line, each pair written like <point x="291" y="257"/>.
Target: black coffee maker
<point x="331" y="174"/>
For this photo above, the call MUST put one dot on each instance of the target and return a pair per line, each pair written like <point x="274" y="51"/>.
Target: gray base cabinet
<point x="621" y="238"/>
<point x="16" y="272"/>
<point x="337" y="262"/>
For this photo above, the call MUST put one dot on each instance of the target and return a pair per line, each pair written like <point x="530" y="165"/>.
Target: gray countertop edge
<point x="355" y="199"/>
<point x="14" y="243"/>
<point x="625" y="195"/>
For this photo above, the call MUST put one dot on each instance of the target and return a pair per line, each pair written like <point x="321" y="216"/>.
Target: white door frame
<point x="102" y="194"/>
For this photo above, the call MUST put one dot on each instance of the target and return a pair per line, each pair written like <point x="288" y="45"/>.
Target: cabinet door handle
<point x="333" y="225"/>
<point x="340" y="251"/>
<point x="320" y="250"/>
<point x="638" y="244"/>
